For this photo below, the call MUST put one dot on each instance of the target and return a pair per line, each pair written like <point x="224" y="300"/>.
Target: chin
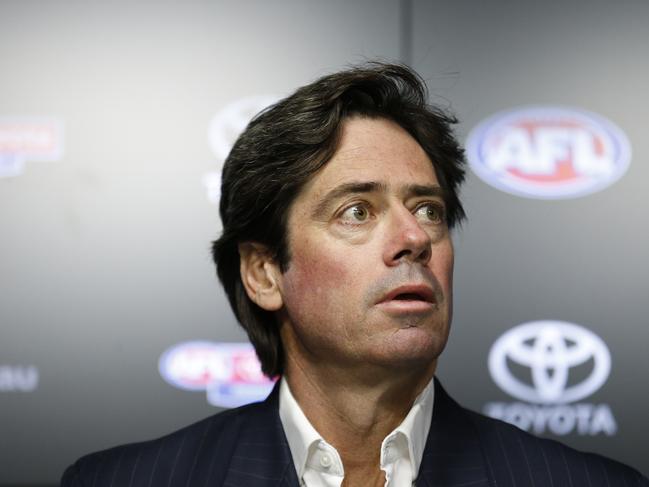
<point x="414" y="346"/>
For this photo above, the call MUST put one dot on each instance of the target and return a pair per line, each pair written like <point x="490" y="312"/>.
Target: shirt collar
<point x="302" y="436"/>
<point x="416" y="425"/>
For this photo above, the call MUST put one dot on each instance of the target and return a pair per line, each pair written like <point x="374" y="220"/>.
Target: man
<point x="336" y="255"/>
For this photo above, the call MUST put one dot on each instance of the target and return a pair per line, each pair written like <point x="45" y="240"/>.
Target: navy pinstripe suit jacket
<point x="246" y="447"/>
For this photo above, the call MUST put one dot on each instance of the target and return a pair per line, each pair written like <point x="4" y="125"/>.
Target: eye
<point x="357" y="213"/>
<point x="431" y="213"/>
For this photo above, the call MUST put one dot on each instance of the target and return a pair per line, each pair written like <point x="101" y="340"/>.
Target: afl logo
<point x="230" y="373"/>
<point x="533" y="362"/>
<point x="28" y="139"/>
<point x="548" y="152"/>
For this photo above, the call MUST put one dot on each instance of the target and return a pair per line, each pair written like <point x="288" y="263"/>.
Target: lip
<point x="425" y="300"/>
<point x="425" y="294"/>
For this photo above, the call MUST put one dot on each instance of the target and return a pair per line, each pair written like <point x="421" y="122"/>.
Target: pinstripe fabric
<point x="241" y="447"/>
<point x="453" y="455"/>
<point x="514" y="458"/>
<point x="246" y="447"/>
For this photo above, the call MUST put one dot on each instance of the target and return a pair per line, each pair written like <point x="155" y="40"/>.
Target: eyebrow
<point x="363" y="187"/>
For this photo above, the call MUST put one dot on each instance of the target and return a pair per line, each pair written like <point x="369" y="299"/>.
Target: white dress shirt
<point x="318" y="464"/>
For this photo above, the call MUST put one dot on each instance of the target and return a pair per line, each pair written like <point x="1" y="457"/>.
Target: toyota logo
<point x="232" y="119"/>
<point x="224" y="129"/>
<point x="547" y="351"/>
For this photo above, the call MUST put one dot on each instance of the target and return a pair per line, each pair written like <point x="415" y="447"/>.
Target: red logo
<point x="548" y="152"/>
<point x="230" y="373"/>
<point x="28" y="139"/>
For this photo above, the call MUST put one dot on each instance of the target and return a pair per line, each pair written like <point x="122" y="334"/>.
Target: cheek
<point x="442" y="267"/>
<point x="310" y="274"/>
<point x="318" y="278"/>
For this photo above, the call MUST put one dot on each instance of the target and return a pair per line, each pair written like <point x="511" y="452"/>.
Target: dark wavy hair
<point x="286" y="144"/>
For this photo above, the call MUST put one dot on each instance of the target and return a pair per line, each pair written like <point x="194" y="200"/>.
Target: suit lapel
<point x="453" y="455"/>
<point x="261" y="456"/>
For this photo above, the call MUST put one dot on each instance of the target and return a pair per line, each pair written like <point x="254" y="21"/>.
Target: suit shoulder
<point x="175" y="455"/>
<point x="506" y="445"/>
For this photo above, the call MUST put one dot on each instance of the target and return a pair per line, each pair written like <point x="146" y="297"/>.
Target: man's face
<point x="370" y="276"/>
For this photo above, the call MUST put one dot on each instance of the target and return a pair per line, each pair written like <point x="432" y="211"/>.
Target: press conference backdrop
<point x="115" y="118"/>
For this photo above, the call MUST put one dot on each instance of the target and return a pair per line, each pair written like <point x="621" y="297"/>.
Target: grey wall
<point x="582" y="260"/>
<point x="105" y="260"/>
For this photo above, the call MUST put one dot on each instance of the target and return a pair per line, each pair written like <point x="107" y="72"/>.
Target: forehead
<point x="373" y="150"/>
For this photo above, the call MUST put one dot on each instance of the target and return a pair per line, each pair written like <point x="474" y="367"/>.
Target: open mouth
<point x="409" y="297"/>
<point x="411" y="293"/>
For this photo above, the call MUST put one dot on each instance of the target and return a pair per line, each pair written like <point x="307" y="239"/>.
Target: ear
<point x="260" y="275"/>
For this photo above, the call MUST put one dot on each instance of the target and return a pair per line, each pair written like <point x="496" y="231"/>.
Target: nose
<point x="407" y="240"/>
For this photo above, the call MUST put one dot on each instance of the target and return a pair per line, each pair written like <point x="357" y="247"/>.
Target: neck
<point x="354" y="412"/>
